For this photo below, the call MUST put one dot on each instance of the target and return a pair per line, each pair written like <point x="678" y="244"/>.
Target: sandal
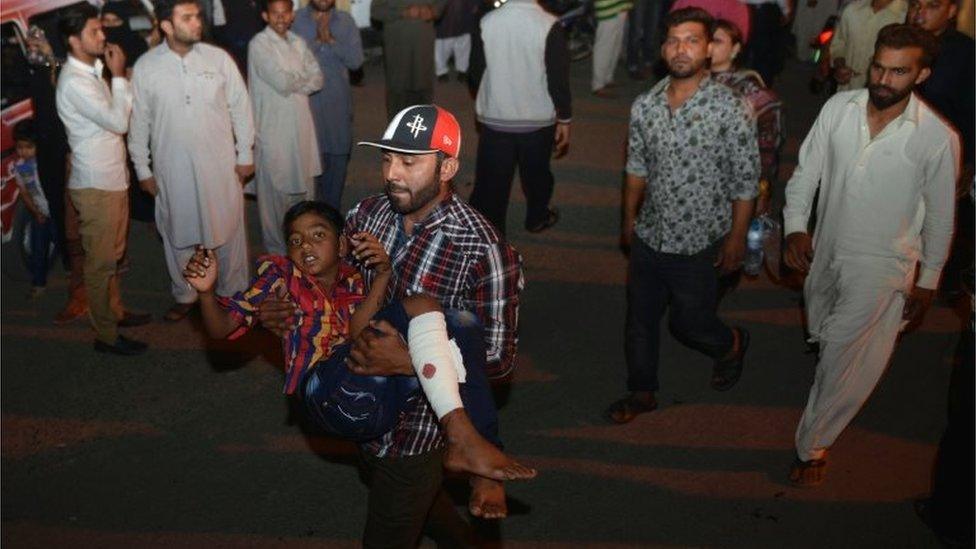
<point x="805" y="474"/>
<point x="551" y="219"/>
<point x="726" y="372"/>
<point x="629" y="407"/>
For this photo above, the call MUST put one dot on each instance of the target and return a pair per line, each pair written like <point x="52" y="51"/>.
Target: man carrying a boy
<point x="439" y="246"/>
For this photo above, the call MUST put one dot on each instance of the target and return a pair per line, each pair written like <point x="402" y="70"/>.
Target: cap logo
<point x="417" y="125"/>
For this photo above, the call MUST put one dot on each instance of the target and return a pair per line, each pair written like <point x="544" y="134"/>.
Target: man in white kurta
<point x="191" y="119"/>
<point x="886" y="179"/>
<point x="282" y="72"/>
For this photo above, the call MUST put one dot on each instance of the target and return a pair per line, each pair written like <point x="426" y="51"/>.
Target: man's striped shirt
<point x="456" y="256"/>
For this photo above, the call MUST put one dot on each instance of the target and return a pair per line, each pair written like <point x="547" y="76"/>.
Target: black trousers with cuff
<point x="499" y="153"/>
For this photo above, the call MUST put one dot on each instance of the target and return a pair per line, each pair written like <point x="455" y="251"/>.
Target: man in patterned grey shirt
<point x="693" y="162"/>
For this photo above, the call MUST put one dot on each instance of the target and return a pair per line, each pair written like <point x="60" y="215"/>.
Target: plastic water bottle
<point x="754" y="248"/>
<point x="772" y="244"/>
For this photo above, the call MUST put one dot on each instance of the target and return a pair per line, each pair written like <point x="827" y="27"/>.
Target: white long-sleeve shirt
<point x="884" y="203"/>
<point x="282" y="72"/>
<point x="95" y="119"/>
<point x="194" y="115"/>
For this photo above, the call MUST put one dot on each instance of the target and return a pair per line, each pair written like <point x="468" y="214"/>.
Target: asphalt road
<point x="192" y="444"/>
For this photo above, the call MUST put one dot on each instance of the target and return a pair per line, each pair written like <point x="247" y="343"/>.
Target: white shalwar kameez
<point x="282" y="72"/>
<point x="194" y="115"/>
<point x="885" y="203"/>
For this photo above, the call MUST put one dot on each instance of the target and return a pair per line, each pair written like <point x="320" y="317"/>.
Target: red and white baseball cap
<point x="421" y="129"/>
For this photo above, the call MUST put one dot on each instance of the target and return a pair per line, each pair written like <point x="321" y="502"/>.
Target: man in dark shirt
<point x="686" y="208"/>
<point x="950" y="90"/>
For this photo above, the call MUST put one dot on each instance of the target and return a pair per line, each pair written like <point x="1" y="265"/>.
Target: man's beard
<point x="691" y="70"/>
<point x="95" y="52"/>
<point x="893" y="96"/>
<point x="318" y="8"/>
<point x="416" y="200"/>
<point x="185" y="38"/>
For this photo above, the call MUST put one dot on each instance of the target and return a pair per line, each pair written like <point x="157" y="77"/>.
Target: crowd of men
<point x="886" y="155"/>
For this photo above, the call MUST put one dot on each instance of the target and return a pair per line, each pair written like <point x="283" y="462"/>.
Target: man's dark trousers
<point x="644" y="34"/>
<point x="498" y="155"/>
<point x="406" y="497"/>
<point x="690" y="285"/>
<point x="952" y="487"/>
<point x="406" y="500"/>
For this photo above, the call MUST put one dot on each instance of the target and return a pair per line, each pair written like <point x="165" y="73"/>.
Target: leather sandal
<point x="806" y="474"/>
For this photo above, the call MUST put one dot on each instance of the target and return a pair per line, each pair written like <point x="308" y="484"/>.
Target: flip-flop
<point x="726" y="373"/>
<point x="627" y="408"/>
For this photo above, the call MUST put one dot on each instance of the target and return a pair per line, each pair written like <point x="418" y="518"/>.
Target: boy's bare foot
<point x="487" y="499"/>
<point x="469" y="452"/>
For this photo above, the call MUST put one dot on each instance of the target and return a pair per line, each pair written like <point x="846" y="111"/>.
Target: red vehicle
<point x="16" y="18"/>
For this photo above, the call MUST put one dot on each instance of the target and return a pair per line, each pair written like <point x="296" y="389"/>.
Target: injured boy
<point x="448" y="356"/>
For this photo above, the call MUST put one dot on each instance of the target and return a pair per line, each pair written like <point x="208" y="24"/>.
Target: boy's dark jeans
<point x="689" y="284"/>
<point x="42" y="235"/>
<point x="363" y="408"/>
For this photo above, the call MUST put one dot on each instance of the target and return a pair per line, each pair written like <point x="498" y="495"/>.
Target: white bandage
<point x="437" y="362"/>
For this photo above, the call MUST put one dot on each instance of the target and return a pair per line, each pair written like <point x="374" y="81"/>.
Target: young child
<point x="334" y="310"/>
<point x="41" y="227"/>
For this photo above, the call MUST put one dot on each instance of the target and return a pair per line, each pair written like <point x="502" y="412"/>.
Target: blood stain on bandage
<point x="428" y="370"/>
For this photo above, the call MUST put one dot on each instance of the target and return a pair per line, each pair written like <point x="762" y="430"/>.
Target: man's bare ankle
<point x="736" y="345"/>
<point x="456" y="424"/>
<point x="453" y="416"/>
